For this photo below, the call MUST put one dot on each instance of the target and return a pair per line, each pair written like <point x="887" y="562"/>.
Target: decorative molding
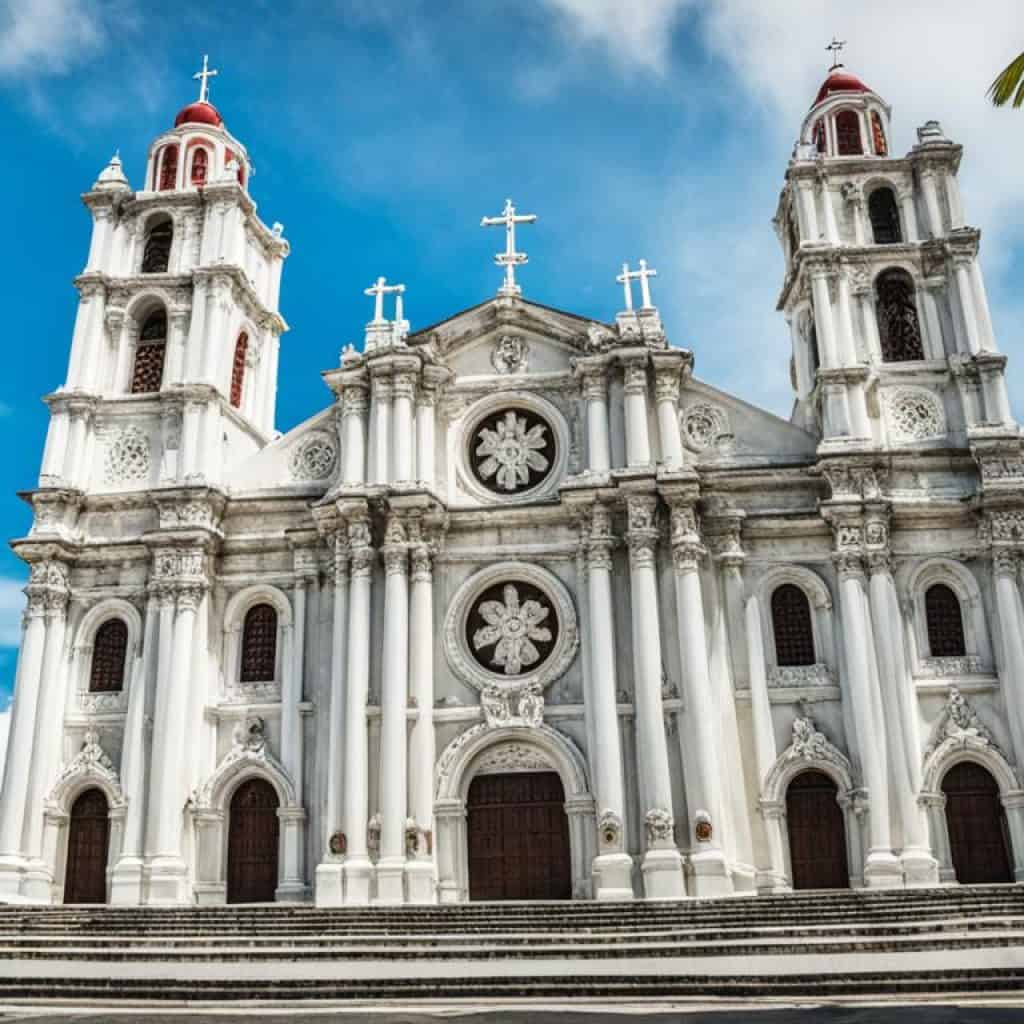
<point x="940" y="668"/>
<point x="800" y="675"/>
<point x="313" y="456"/>
<point x="704" y="426"/>
<point x="89" y="764"/>
<point x="914" y="414"/>
<point x="127" y="456"/>
<point x="511" y="354"/>
<point x="496" y="702"/>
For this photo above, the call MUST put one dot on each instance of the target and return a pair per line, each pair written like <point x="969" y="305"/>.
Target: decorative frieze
<point x="794" y="676"/>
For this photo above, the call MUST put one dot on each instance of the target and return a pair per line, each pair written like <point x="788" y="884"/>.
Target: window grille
<point x="898" y="327"/>
<point x="945" y="622"/>
<point x="109" y="648"/>
<point x="259" y="644"/>
<point x="238" y="370"/>
<point x="792" y="625"/>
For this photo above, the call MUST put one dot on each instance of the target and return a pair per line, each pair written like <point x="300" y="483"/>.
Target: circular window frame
<point x="463" y="661"/>
<point x="500" y="402"/>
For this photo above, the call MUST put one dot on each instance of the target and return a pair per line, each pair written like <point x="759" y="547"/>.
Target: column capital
<point x="634" y="370"/>
<point x="1006" y="561"/>
<point x="404" y="385"/>
<point x="643" y="529"/>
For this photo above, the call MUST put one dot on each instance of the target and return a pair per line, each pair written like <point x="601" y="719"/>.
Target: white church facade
<point x="527" y="610"/>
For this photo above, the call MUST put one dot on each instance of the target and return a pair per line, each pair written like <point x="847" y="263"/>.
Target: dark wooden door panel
<point x="817" y="835"/>
<point x="978" y="836"/>
<point x="85" y="878"/>
<point x="253" y="833"/>
<point x="518" y="838"/>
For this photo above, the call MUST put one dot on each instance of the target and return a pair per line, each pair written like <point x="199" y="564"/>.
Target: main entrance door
<point x="978" y="838"/>
<point x="817" y="835"/>
<point x="85" y="878"/>
<point x="518" y="838"/>
<point x="252" y="843"/>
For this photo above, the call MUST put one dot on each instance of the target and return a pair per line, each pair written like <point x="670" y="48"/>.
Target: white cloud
<point x="12" y="604"/>
<point x="48" y="36"/>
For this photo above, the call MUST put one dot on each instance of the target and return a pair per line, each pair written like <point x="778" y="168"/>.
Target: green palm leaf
<point x="1010" y="83"/>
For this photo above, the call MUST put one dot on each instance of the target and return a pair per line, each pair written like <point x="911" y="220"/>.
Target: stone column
<point x="404" y="389"/>
<point x="931" y="201"/>
<point x="52" y="471"/>
<point x="75" y="465"/>
<point x="381" y="386"/>
<point x="176" y="333"/>
<point x="201" y="291"/>
<point x="988" y="337"/>
<point x="992" y="376"/>
<point x="704" y="792"/>
<point x="900" y="705"/>
<point x="638" y="445"/>
<point x="825" y="322"/>
<point x="353" y="412"/>
<point x="420" y="870"/>
<point x="293" y="681"/>
<point x="613" y="867"/>
<point x="394" y="701"/>
<point x="329" y="887"/>
<point x="425" y="412"/>
<point x="666" y="390"/>
<point x="662" y="864"/>
<point x="357" y="866"/>
<point x="881" y="866"/>
<point x="1006" y="566"/>
<point x="831" y="227"/>
<point x="595" y="394"/>
<point x="965" y="290"/>
<point x="808" y="215"/>
<point x="216" y="336"/>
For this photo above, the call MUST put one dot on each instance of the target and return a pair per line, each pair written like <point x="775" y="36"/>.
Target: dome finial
<point x="835" y="48"/>
<point x="203" y="77"/>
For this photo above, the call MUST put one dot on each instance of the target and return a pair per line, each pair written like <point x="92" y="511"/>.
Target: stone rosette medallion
<point x="511" y="451"/>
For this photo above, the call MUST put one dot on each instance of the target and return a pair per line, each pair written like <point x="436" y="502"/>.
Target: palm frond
<point x="1010" y="83"/>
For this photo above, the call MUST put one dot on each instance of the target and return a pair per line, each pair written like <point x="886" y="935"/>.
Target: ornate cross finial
<point x="836" y="48"/>
<point x="378" y="290"/>
<point x="509" y="259"/>
<point x="203" y="78"/>
<point x="643" y="275"/>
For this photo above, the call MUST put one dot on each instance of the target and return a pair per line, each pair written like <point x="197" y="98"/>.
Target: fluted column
<point x="613" y="867"/>
<point x="382" y="393"/>
<point x="176" y="334"/>
<point x="931" y="201"/>
<point x="662" y="864"/>
<point x="420" y="870"/>
<point x="704" y="791"/>
<point x="638" y="445"/>
<point x="988" y="337"/>
<point x="357" y="866"/>
<point x="1006" y="566"/>
<point x="806" y="211"/>
<point x="216" y="333"/>
<point x="201" y="298"/>
<point x="881" y="866"/>
<point x="394" y="701"/>
<point x="354" y="405"/>
<point x="329" y="888"/>
<point x="910" y="230"/>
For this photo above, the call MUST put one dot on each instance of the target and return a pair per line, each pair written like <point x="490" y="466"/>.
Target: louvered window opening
<point x="109" y="650"/>
<point x="259" y="644"/>
<point x="792" y="626"/>
<point x="199" y="167"/>
<point x="148" y="373"/>
<point x="157" y="254"/>
<point x="885" y="217"/>
<point x="848" y="141"/>
<point x="945" y="622"/>
<point x="169" y="169"/>
<point x="238" y="370"/>
<point x="899" y="329"/>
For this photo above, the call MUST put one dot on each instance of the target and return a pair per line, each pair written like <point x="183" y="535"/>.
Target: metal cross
<point x="378" y="290"/>
<point x="836" y="47"/>
<point x="204" y="77"/>
<point x="509" y="259"/>
<point x="626" y="279"/>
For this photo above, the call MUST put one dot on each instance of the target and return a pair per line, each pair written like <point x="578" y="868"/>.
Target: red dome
<point x="840" y="81"/>
<point x="199" y="113"/>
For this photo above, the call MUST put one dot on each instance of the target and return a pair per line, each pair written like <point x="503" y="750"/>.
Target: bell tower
<point x="892" y="340"/>
<point x="173" y="365"/>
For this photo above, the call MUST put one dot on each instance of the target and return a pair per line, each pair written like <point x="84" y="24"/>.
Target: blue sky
<point x="382" y="132"/>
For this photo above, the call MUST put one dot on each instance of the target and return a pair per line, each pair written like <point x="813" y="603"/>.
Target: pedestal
<point x="168" y="882"/>
<point x="613" y="877"/>
<point x="358" y="874"/>
<point x="329" y="884"/>
<point x="663" y="875"/>
<point x="390" y="880"/>
<point x="421" y="881"/>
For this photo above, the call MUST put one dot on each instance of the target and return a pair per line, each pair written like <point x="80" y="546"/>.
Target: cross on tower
<point x="203" y="78"/>
<point x="378" y="290"/>
<point x="509" y="259"/>
<point x="836" y="48"/>
<point x="626" y="279"/>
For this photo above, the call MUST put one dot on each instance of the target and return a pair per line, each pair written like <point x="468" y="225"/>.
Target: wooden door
<point x="85" y="877"/>
<point x="978" y="837"/>
<point x="817" y="834"/>
<point x="518" y="838"/>
<point x="253" y="833"/>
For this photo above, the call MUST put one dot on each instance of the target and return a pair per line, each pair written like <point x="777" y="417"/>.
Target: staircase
<point x="952" y="940"/>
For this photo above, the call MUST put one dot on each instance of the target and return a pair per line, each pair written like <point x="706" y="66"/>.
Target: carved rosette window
<point x="792" y="626"/>
<point x="238" y="370"/>
<point x="898" y="325"/>
<point x="885" y="217"/>
<point x="109" y="649"/>
<point x="200" y="167"/>
<point x="945" y="622"/>
<point x="511" y="628"/>
<point x="259" y="644"/>
<point x="848" y="140"/>
<point x="512" y="451"/>
<point x="156" y="254"/>
<point x="169" y="169"/>
<point x="148" y="373"/>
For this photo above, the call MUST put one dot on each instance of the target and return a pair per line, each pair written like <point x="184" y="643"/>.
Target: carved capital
<point x="634" y="373"/>
<point x="422" y="564"/>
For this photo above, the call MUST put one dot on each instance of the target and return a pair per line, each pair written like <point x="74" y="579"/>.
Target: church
<point x="528" y="610"/>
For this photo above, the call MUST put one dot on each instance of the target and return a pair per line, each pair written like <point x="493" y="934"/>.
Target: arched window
<point x="945" y="622"/>
<point x="848" y="141"/>
<point x="238" y="370"/>
<point x="200" y="167"/>
<point x="259" y="644"/>
<point x="792" y="626"/>
<point x="898" y="326"/>
<point x="148" y="374"/>
<point x="819" y="135"/>
<point x="169" y="168"/>
<point x="156" y="254"/>
<point x="109" y="649"/>
<point x="878" y="134"/>
<point x="885" y="217"/>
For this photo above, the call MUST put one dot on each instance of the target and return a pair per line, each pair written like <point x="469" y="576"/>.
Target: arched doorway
<point x="518" y="837"/>
<point x="85" y="878"/>
<point x="817" y="835"/>
<point x="253" y="833"/>
<point x="978" y="837"/>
